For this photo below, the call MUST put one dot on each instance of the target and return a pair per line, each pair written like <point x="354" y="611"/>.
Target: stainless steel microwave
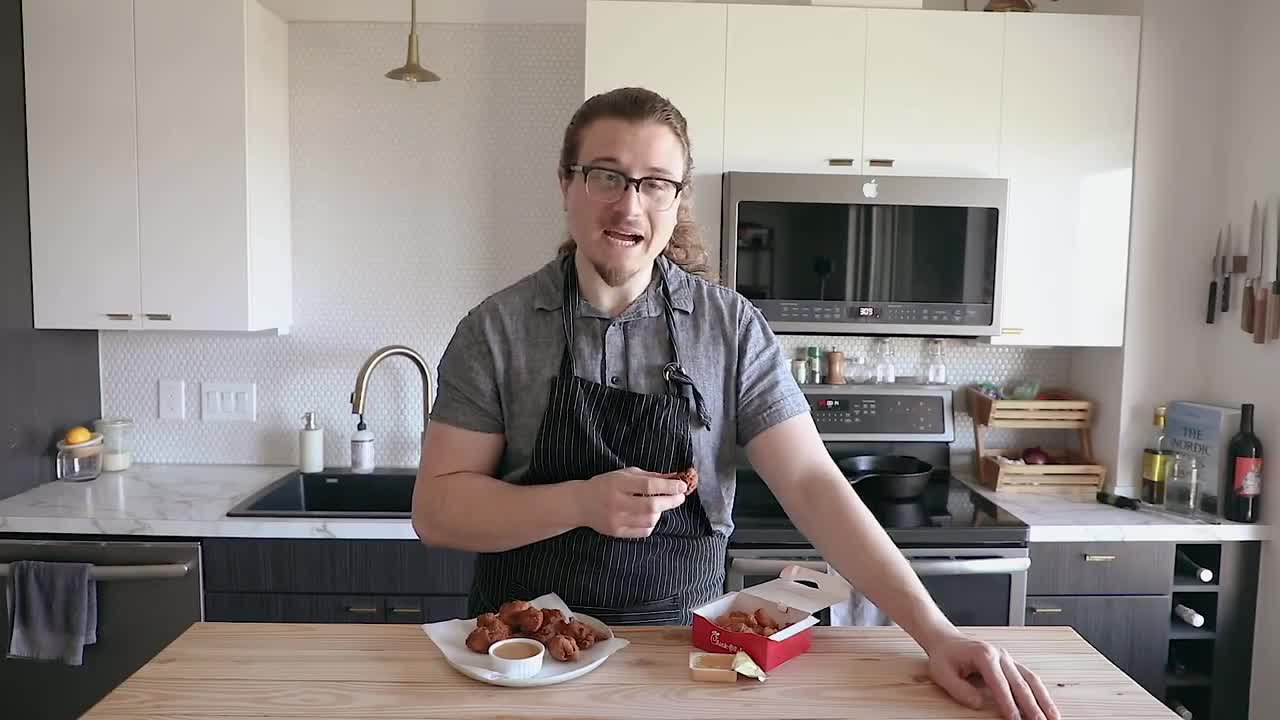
<point x="866" y="255"/>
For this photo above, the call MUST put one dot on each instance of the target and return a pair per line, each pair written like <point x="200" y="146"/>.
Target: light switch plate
<point x="173" y="400"/>
<point x="228" y="401"/>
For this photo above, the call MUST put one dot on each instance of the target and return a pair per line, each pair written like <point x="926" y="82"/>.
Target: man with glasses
<point x="584" y="434"/>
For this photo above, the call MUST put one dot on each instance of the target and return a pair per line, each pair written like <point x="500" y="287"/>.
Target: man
<point x="569" y="402"/>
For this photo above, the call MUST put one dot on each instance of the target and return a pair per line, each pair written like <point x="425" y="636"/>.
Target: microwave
<point x="866" y="255"/>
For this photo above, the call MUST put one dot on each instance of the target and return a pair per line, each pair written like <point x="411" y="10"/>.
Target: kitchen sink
<point x="385" y="493"/>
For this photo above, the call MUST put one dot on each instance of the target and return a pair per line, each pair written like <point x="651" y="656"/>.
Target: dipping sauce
<point x="517" y="651"/>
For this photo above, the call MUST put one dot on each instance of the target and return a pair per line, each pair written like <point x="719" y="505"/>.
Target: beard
<point x="614" y="275"/>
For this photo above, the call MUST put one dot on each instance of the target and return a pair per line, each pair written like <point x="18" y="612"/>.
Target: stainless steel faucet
<point x="362" y="379"/>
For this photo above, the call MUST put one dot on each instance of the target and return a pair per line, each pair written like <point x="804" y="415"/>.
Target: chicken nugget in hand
<point x="689" y="477"/>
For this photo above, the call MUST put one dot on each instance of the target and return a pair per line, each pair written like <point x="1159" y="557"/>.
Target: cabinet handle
<point x="880" y="162"/>
<point x="362" y="610"/>
<point x="407" y="610"/>
<point x="119" y="316"/>
<point x="1099" y="558"/>
<point x="840" y="162"/>
<point x="159" y="316"/>
<point x="1046" y="611"/>
<point x="1012" y="331"/>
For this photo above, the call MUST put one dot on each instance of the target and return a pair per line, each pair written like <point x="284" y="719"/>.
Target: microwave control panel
<point x="875" y="313"/>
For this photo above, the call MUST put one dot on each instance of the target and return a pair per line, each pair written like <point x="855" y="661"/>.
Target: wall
<point x="48" y="380"/>
<point x="410" y="205"/>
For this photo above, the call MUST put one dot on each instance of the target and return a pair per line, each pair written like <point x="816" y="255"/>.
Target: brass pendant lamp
<point x="412" y="72"/>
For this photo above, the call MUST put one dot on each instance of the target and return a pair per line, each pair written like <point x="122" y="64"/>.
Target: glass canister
<point x="117" y="443"/>
<point x="81" y="461"/>
<point x="1182" y="484"/>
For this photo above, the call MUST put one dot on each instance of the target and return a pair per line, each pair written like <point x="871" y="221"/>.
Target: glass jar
<point x="79" y="462"/>
<point x="117" y="443"/>
<point x="1182" y="484"/>
<point x="885" y="372"/>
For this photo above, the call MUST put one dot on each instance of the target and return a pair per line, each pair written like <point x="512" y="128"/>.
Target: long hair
<point x="639" y="105"/>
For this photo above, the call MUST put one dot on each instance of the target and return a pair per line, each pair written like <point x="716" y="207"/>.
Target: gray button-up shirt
<point x="496" y="373"/>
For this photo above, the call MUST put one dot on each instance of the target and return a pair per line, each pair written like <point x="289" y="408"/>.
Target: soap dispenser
<point x="362" y="449"/>
<point x="310" y="445"/>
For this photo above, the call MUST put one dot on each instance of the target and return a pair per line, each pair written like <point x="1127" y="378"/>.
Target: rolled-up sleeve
<point x="469" y="395"/>
<point x="767" y="394"/>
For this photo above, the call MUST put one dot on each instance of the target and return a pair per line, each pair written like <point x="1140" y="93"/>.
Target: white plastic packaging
<point x="310" y="445"/>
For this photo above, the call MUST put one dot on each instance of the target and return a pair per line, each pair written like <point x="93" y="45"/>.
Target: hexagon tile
<point x="410" y="205"/>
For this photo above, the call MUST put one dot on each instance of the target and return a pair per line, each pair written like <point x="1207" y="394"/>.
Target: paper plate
<point x="553" y="671"/>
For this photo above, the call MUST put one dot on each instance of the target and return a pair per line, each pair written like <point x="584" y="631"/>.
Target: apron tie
<point x="676" y="374"/>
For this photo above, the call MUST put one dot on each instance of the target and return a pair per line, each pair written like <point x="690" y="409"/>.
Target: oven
<point x="972" y="586"/>
<point x="862" y="255"/>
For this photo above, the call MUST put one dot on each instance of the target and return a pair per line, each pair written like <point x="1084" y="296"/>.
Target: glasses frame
<point x="628" y="181"/>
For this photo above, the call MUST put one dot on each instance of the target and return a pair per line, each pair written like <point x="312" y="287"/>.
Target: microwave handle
<point x="984" y="566"/>
<point x="756" y="566"/>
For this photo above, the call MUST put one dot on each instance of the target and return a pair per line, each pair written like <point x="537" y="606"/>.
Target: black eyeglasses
<point x="608" y="186"/>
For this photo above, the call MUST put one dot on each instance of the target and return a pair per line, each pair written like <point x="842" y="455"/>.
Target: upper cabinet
<point x="160" y="188"/>
<point x="687" y="67"/>
<point x="933" y="93"/>
<point x="1067" y="148"/>
<point x="794" y="88"/>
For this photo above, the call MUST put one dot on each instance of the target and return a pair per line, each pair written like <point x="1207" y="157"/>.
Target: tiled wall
<point x="410" y="205"/>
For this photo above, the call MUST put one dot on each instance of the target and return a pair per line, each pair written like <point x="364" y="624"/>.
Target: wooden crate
<point x="1071" y="472"/>
<point x="1065" y="411"/>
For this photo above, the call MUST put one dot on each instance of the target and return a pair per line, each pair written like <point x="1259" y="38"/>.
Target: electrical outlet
<point x="229" y="401"/>
<point x="173" y="400"/>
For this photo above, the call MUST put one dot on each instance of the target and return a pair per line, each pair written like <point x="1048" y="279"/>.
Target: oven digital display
<point x="830" y="404"/>
<point x="866" y="311"/>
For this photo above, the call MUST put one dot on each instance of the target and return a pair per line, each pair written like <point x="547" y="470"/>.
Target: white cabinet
<point x="83" y="163"/>
<point x="1067" y="149"/>
<point x="192" y="164"/>
<point x="678" y="51"/>
<point x="794" y="88"/>
<point x="933" y="86"/>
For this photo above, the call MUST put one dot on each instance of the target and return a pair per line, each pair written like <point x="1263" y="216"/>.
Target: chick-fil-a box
<point x="790" y="604"/>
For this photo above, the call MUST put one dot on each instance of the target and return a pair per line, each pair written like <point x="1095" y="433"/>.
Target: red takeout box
<point x="784" y="599"/>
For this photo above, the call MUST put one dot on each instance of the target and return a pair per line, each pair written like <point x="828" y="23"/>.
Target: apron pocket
<point x="658" y="612"/>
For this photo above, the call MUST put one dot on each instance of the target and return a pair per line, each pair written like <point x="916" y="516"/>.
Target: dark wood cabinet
<point x="1115" y="568"/>
<point x="334" y="581"/>
<point x="1132" y="631"/>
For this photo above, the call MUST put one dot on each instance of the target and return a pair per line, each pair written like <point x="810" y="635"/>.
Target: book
<point x="1204" y="431"/>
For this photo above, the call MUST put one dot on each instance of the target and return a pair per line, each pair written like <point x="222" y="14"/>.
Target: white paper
<point x="451" y="637"/>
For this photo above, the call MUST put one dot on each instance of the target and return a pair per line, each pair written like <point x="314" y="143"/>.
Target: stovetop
<point x="948" y="515"/>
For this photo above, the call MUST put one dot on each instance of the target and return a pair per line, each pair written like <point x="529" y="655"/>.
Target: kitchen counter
<point x="220" y="670"/>
<point x="1065" y="518"/>
<point x="176" y="500"/>
<point x="193" y="500"/>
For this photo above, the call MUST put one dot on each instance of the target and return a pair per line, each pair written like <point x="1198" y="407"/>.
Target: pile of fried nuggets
<point x="758" y="622"/>
<point x="518" y="618"/>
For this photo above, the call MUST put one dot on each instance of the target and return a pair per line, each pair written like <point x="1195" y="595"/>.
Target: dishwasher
<point x="149" y="593"/>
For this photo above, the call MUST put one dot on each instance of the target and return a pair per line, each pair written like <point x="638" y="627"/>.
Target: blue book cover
<point x="1204" y="432"/>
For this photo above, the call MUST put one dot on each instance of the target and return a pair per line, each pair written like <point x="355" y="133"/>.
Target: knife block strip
<point x="1239" y="264"/>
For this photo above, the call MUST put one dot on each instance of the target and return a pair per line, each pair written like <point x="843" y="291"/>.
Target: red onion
<point x="1035" y="456"/>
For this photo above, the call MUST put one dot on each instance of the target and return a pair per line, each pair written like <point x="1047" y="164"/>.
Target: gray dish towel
<point x="53" y="610"/>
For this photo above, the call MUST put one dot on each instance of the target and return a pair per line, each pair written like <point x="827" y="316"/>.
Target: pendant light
<point x="411" y="72"/>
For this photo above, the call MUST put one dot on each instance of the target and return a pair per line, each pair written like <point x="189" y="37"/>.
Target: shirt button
<point x="615" y="380"/>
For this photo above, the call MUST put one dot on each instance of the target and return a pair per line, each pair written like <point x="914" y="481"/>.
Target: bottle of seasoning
<point x="1155" y="465"/>
<point x="815" y="365"/>
<point x="835" y="367"/>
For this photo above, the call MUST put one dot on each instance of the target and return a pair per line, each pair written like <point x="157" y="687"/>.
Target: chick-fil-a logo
<point x="715" y="640"/>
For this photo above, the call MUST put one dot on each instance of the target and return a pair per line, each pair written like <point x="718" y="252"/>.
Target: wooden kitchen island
<point x="235" y="670"/>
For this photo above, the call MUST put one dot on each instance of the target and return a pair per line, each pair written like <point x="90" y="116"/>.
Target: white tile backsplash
<point x="410" y="205"/>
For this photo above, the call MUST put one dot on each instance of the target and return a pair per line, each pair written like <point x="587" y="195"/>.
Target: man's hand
<point x="627" y="503"/>
<point x="1017" y="691"/>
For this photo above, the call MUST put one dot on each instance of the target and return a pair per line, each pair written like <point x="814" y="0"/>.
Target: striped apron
<point x="589" y="429"/>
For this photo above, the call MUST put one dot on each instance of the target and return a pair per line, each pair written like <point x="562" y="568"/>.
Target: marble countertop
<point x="193" y="500"/>
<point x="175" y="500"/>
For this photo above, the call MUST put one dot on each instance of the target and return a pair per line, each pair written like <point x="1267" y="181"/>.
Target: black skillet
<point x="886" y="477"/>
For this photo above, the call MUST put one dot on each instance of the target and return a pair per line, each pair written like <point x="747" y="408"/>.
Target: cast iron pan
<point x="886" y="477"/>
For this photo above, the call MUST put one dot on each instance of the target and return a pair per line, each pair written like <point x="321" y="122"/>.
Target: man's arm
<point x="817" y="497"/>
<point x="458" y="503"/>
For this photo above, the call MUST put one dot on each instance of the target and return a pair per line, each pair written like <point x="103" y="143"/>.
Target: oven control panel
<point x="862" y="413"/>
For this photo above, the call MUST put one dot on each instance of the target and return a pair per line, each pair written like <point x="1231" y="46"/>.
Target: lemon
<point x="77" y="435"/>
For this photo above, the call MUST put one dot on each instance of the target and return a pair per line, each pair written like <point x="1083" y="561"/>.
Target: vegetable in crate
<point x="1035" y="456"/>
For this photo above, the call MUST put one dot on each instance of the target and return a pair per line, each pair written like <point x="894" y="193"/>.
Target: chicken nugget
<point x="528" y="620"/>
<point x="551" y="616"/>
<point x="562" y="648"/>
<point x="737" y="627"/>
<point x="765" y="620"/>
<point x="480" y="639"/>
<point x="489" y="620"/>
<point x="581" y="634"/>
<point x="689" y="477"/>
<point x="509" y="610"/>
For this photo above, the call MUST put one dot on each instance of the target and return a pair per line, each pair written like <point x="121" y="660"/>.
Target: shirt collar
<point x="550" y="289"/>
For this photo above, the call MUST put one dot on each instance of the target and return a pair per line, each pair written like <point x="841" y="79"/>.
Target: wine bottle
<point x="1182" y="711"/>
<point x="1245" y="465"/>
<point x="1190" y="567"/>
<point x="1176" y="664"/>
<point x="1155" y="461"/>
<point x="1188" y="616"/>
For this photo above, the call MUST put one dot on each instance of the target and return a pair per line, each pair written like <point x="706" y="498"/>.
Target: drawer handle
<point x="362" y="610"/>
<point x="119" y="316"/>
<point x="1012" y="331"/>
<point x="880" y="163"/>
<point x="1046" y="611"/>
<point x="1099" y="558"/>
<point x="407" y="610"/>
<point x="159" y="316"/>
<point x="840" y="162"/>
